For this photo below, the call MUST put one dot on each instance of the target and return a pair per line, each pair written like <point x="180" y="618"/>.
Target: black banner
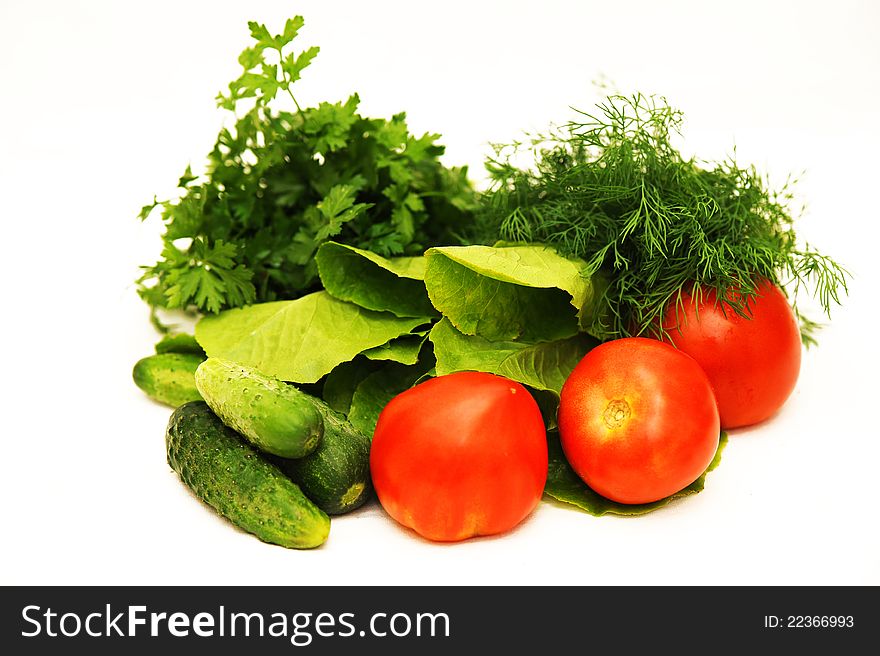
<point x="435" y="620"/>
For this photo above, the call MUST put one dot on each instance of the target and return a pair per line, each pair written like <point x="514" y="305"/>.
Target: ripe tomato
<point x="752" y="363"/>
<point x="460" y="455"/>
<point x="637" y="420"/>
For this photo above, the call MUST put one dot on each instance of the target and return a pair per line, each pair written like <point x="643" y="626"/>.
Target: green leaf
<point x="186" y="178"/>
<point x="377" y="389"/>
<point x="403" y="221"/>
<point x="341" y="383"/>
<point x="206" y="276"/>
<point x="405" y="204"/>
<point x="374" y="282"/>
<point x="543" y="365"/>
<point x="425" y="147"/>
<point x="270" y="85"/>
<point x="393" y="134"/>
<point x="299" y="341"/>
<point x="329" y="124"/>
<point x="146" y="210"/>
<point x="504" y="293"/>
<point x="226" y="102"/>
<point x="548" y="404"/>
<point x="250" y="58"/>
<point x="186" y="217"/>
<point x="237" y="286"/>
<point x="197" y="286"/>
<point x="404" y="350"/>
<point x="566" y="486"/>
<point x="338" y="208"/>
<point x="275" y="185"/>
<point x="250" y="83"/>
<point x="291" y="28"/>
<point x="293" y="65"/>
<point x="261" y="34"/>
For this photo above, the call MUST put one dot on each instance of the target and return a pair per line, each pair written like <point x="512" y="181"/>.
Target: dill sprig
<point x="611" y="188"/>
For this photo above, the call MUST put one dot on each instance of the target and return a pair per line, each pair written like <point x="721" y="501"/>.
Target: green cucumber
<point x="337" y="475"/>
<point x="180" y="343"/>
<point x="233" y="478"/>
<point x="273" y="416"/>
<point x="168" y="378"/>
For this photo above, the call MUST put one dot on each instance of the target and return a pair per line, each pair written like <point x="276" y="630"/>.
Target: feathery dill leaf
<point x="611" y="188"/>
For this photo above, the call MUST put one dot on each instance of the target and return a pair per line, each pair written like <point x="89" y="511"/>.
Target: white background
<point x="104" y="104"/>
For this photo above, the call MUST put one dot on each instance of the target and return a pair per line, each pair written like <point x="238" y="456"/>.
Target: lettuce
<point x="511" y="292"/>
<point x="373" y="282"/>
<point x="566" y="486"/>
<point x="299" y="341"/>
<point x="541" y="365"/>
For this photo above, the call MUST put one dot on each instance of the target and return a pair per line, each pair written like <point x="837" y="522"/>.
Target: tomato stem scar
<point x="616" y="413"/>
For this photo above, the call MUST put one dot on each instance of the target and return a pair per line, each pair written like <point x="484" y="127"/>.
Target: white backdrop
<point x="103" y="104"/>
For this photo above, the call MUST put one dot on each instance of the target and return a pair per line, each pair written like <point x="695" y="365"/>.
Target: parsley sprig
<point x="611" y="188"/>
<point x="279" y="183"/>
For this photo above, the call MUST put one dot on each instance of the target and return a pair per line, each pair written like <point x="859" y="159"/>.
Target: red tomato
<point x="637" y="420"/>
<point x="752" y="363"/>
<point x="460" y="455"/>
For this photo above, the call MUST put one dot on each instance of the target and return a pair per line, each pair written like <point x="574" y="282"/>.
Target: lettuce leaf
<point x="404" y="349"/>
<point x="373" y="282"/>
<point x="509" y="292"/>
<point x="566" y="486"/>
<point x="375" y="391"/>
<point x="299" y="341"/>
<point x="341" y="383"/>
<point x="541" y="365"/>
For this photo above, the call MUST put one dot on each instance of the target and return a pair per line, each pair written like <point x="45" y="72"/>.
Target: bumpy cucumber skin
<point x="233" y="478"/>
<point x="337" y="475"/>
<point x="168" y="378"/>
<point x="275" y="417"/>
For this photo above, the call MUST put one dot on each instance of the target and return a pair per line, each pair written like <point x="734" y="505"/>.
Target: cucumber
<point x="275" y="417"/>
<point x="233" y="478"/>
<point x="337" y="475"/>
<point x="168" y="378"/>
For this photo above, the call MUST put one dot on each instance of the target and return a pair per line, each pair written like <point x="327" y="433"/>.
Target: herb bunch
<point x="612" y="189"/>
<point x="280" y="183"/>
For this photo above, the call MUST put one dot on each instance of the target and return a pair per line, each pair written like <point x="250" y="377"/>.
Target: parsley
<point x="612" y="189"/>
<point x="280" y="183"/>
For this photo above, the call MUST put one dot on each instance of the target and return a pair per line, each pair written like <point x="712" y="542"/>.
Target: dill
<point x="611" y="188"/>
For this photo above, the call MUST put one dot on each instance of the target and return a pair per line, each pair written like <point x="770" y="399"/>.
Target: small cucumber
<point x="275" y="417"/>
<point x="337" y="475"/>
<point x="233" y="478"/>
<point x="180" y="343"/>
<point x="168" y="378"/>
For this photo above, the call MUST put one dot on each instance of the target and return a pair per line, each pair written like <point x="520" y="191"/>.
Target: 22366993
<point x="809" y="621"/>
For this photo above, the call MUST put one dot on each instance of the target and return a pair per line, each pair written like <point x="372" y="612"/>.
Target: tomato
<point x="460" y="455"/>
<point x="753" y="363"/>
<point x="638" y="420"/>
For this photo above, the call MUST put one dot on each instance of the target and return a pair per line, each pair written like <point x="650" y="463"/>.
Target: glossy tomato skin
<point x="638" y="420"/>
<point x="460" y="455"/>
<point x="752" y="363"/>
